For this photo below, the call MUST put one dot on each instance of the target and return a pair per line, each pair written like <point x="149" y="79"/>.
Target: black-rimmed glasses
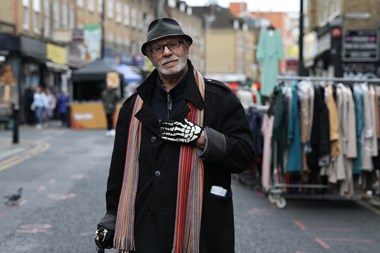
<point x="172" y="45"/>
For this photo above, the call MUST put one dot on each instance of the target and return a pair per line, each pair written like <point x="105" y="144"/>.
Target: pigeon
<point x="12" y="199"/>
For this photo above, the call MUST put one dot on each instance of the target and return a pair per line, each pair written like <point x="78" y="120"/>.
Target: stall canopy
<point x="129" y="74"/>
<point x="95" y="71"/>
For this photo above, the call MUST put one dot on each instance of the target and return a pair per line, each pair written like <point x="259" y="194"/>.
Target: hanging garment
<point x="320" y="132"/>
<point x="358" y="98"/>
<point x="306" y="97"/>
<point x="279" y="135"/>
<point x="369" y="128"/>
<point x="266" y="130"/>
<point x="269" y="52"/>
<point x="294" y="135"/>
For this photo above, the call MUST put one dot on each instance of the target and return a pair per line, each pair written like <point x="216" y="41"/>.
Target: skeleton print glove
<point x="184" y="132"/>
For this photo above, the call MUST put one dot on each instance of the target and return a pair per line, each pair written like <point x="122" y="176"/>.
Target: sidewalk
<point x="13" y="153"/>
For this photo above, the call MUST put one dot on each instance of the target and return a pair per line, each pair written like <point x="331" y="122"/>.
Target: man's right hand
<point x="103" y="239"/>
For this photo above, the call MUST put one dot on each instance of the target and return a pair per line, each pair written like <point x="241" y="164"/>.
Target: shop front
<point x="23" y="66"/>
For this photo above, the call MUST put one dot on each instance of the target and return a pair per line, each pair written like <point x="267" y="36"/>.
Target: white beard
<point x="182" y="61"/>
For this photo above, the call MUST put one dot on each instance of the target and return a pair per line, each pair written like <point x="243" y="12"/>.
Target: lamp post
<point x="102" y="27"/>
<point x="301" y="68"/>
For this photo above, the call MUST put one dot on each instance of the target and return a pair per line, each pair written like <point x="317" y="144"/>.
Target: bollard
<point x="15" y="113"/>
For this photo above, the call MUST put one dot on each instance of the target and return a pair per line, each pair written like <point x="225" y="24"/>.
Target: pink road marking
<point x="259" y="211"/>
<point x="3" y="214"/>
<point x="41" y="188"/>
<point x="78" y="176"/>
<point x="34" y="228"/>
<point x="58" y="196"/>
<point x="322" y="243"/>
<point x="51" y="181"/>
<point x="22" y="202"/>
<point x="347" y="240"/>
<point x="300" y="225"/>
<point x="335" y="229"/>
<point x="260" y="194"/>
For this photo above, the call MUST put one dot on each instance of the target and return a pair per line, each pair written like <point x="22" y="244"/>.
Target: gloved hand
<point x="184" y="132"/>
<point x="103" y="239"/>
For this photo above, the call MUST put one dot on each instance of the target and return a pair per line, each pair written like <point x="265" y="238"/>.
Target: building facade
<point x="342" y="38"/>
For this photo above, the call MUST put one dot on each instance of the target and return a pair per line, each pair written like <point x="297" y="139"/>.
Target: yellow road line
<point x="39" y="147"/>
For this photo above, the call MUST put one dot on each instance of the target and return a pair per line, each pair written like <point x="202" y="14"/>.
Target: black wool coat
<point x="224" y="119"/>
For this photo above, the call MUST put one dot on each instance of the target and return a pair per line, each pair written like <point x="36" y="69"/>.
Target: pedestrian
<point x="51" y="104"/>
<point x="109" y="99"/>
<point x="63" y="107"/>
<point x="39" y="106"/>
<point x="178" y="139"/>
<point x="30" y="116"/>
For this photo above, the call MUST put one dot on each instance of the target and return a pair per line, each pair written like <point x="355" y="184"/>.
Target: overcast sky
<point x="255" y="5"/>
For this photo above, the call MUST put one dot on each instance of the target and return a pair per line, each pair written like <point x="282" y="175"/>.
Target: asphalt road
<point x="64" y="179"/>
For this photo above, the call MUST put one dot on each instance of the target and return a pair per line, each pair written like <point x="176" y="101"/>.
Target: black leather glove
<point x="103" y="239"/>
<point x="184" y="132"/>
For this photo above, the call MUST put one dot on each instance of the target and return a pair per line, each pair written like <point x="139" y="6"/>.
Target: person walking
<point x="178" y="139"/>
<point x="109" y="98"/>
<point x="51" y="104"/>
<point x="39" y="106"/>
<point x="63" y="107"/>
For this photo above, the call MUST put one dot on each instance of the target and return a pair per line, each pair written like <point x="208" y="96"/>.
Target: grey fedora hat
<point x="161" y="28"/>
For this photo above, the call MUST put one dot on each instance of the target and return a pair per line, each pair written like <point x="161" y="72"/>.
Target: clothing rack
<point x="328" y="79"/>
<point x="278" y="188"/>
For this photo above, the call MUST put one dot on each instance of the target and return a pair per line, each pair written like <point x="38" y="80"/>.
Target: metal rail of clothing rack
<point x="276" y="190"/>
<point x="328" y="79"/>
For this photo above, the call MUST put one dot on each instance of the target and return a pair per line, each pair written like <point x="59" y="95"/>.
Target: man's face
<point x="169" y="55"/>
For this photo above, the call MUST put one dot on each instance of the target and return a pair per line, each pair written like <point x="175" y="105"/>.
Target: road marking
<point x="322" y="241"/>
<point x="41" y="188"/>
<point x="259" y="211"/>
<point x="16" y="159"/>
<point x="77" y="177"/>
<point x="300" y="225"/>
<point x="34" y="228"/>
<point x="58" y="196"/>
<point x="335" y="229"/>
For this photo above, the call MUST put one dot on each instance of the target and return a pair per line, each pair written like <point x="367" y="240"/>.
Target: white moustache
<point x="169" y="60"/>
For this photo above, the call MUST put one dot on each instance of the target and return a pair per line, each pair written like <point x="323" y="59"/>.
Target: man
<point x="109" y="100"/>
<point x="178" y="139"/>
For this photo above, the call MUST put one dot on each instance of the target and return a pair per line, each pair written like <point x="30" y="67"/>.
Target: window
<point x="56" y="14"/>
<point x="64" y="17"/>
<point x="46" y="18"/>
<point x="36" y="16"/>
<point x="118" y="11"/>
<point x="80" y="3"/>
<point x="91" y="5"/>
<point x="110" y="8"/>
<point x="100" y="6"/>
<point x="126" y="14"/>
<point x="133" y="17"/>
<point x="25" y="16"/>
<point x="72" y="17"/>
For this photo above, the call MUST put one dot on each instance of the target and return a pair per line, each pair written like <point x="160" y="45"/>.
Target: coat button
<point x="157" y="173"/>
<point x="153" y="139"/>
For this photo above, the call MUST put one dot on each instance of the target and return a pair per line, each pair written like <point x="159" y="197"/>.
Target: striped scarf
<point x="189" y="188"/>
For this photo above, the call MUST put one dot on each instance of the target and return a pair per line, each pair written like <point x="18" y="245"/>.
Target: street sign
<point x="360" y="46"/>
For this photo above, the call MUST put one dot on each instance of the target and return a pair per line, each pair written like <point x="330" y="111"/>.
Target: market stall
<point x="86" y="110"/>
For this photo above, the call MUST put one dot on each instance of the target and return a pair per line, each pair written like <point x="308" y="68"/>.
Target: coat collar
<point x="192" y="93"/>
